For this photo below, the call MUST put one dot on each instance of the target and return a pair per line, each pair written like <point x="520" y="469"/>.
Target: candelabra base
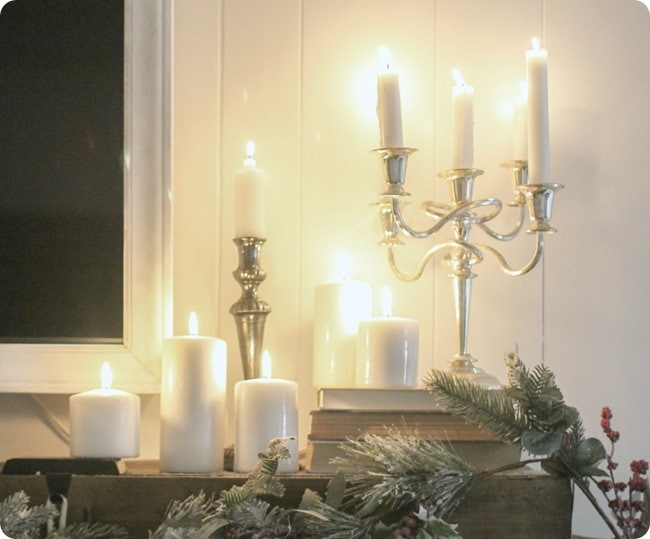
<point x="463" y="367"/>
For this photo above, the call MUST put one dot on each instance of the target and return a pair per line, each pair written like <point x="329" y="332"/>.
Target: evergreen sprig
<point x="86" y="531"/>
<point x="491" y="409"/>
<point x="19" y="520"/>
<point x="201" y="516"/>
<point x="400" y="470"/>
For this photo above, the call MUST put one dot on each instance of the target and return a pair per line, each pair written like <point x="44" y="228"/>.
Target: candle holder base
<point x="464" y="367"/>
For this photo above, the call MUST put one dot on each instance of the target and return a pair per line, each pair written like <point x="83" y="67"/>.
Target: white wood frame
<point x="68" y="368"/>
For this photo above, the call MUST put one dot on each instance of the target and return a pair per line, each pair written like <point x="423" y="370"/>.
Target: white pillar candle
<point x="250" y="197"/>
<point x="105" y="423"/>
<point x="387" y="350"/>
<point x="339" y="306"/>
<point x="462" y="149"/>
<point x="265" y="408"/>
<point x="192" y="403"/>
<point x="521" y="125"/>
<point x="539" y="163"/>
<point x="389" y="105"/>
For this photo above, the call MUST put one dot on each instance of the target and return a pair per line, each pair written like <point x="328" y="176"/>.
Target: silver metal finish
<point x="249" y="311"/>
<point x="462" y="214"/>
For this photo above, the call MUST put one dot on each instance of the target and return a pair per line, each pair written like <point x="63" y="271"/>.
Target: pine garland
<point x="237" y="511"/>
<point x="20" y="521"/>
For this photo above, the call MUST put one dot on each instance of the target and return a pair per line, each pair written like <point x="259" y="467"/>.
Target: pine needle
<point x="402" y="469"/>
<point x="493" y="410"/>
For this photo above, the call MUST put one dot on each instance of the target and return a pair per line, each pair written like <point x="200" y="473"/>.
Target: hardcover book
<point x="331" y="398"/>
<point x="341" y="424"/>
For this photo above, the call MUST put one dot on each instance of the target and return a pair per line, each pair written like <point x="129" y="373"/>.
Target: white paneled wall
<point x="298" y="77"/>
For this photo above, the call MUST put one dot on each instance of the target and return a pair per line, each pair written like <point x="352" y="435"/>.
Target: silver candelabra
<point x="462" y="214"/>
<point x="250" y="311"/>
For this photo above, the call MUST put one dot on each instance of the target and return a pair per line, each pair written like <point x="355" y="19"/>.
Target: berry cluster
<point x="627" y="509"/>
<point x="408" y="527"/>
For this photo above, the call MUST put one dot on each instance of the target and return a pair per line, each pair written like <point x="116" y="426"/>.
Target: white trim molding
<point x="68" y="368"/>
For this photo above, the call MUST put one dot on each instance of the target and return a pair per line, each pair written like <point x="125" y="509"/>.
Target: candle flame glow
<point x="107" y="376"/>
<point x="250" y="154"/>
<point x="523" y="87"/>
<point x="384" y="58"/>
<point x="343" y="266"/>
<point x="250" y="149"/>
<point x="266" y="364"/>
<point x="458" y="77"/>
<point x="536" y="45"/>
<point x="193" y="324"/>
<point x="386" y="301"/>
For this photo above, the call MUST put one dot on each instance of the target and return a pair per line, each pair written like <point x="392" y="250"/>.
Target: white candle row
<point x="105" y="423"/>
<point x="531" y="139"/>
<point x="353" y="349"/>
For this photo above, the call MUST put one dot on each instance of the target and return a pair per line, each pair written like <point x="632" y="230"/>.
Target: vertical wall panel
<point x="195" y="131"/>
<point x="487" y="42"/>
<point x="261" y="102"/>
<point x="341" y="178"/>
<point x="598" y="305"/>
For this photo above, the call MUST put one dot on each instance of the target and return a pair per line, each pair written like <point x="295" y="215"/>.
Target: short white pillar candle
<point x="265" y="408"/>
<point x="387" y="352"/>
<point x="105" y="423"/>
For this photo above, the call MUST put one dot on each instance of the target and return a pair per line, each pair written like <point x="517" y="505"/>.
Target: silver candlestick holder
<point x="249" y="311"/>
<point x="462" y="214"/>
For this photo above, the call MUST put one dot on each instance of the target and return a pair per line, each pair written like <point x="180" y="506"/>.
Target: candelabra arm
<point x="509" y="236"/>
<point x="401" y="223"/>
<point x="443" y="215"/>
<point x="507" y="269"/>
<point x="475" y="255"/>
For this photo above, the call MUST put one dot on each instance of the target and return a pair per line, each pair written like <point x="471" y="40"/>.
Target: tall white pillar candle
<point x="192" y="403"/>
<point x="462" y="149"/>
<point x="389" y="105"/>
<point x="521" y="125"/>
<point x="105" y="423"/>
<point x="539" y="161"/>
<point x="250" y="198"/>
<point x="265" y="408"/>
<point x="339" y="306"/>
<point x="387" y="350"/>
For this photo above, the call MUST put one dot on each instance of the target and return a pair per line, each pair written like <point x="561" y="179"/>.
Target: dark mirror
<point x="61" y="171"/>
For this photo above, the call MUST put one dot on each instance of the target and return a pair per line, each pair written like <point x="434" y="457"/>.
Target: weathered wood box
<point x="518" y="506"/>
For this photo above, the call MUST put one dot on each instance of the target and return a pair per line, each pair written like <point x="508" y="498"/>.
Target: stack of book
<point x="350" y="413"/>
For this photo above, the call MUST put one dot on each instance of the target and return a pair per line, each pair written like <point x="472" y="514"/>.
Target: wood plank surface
<point x="504" y="506"/>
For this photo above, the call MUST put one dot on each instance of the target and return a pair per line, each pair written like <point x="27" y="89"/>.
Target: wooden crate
<point x="520" y="505"/>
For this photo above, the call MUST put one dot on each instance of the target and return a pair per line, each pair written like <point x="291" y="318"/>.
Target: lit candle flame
<point x="107" y="376"/>
<point x="536" y="45"/>
<point x="343" y="266"/>
<point x="458" y="77"/>
<point x="386" y="301"/>
<point x="384" y="58"/>
<point x="250" y="154"/>
<point x="523" y="87"/>
<point x="266" y="364"/>
<point x="193" y="324"/>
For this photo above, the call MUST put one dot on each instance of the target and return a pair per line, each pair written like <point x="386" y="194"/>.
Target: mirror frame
<point x="68" y="368"/>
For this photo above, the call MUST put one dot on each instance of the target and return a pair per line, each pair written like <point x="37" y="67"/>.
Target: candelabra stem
<point x="463" y="364"/>
<point x="249" y="311"/>
<point x="463" y="293"/>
